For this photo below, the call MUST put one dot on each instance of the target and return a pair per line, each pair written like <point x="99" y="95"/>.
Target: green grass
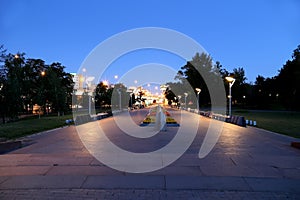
<point x="31" y="125"/>
<point x="287" y="123"/>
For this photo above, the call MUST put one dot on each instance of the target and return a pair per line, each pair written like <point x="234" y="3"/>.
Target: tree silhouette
<point x="289" y="82"/>
<point x="102" y="95"/>
<point x="25" y="82"/>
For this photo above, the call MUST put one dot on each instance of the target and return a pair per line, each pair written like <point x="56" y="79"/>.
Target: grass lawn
<point x="31" y="125"/>
<point x="284" y="122"/>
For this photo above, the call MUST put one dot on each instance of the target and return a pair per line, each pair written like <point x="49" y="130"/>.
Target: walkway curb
<point x="250" y="184"/>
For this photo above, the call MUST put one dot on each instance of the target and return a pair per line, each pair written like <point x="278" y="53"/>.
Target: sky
<point x="258" y="35"/>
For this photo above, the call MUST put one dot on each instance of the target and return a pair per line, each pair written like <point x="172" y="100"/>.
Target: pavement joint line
<point x="29" y="165"/>
<point x="83" y="182"/>
<point x="42" y="132"/>
<point x="5" y="179"/>
<point x="261" y="132"/>
<point x="232" y="161"/>
<point x="252" y="184"/>
<point x="245" y="181"/>
<point x="250" y="156"/>
<point x="199" y="168"/>
<point x="47" y="171"/>
<point x="142" y="194"/>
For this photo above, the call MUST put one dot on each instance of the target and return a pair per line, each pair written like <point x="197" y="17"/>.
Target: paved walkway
<point x="246" y="163"/>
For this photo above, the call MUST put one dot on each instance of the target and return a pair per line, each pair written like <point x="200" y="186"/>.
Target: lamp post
<point x="231" y="81"/>
<point x="120" y="104"/>
<point x="198" y="90"/>
<point x="185" y="95"/>
<point x="131" y="100"/>
<point x="179" y="104"/>
<point x="43" y="73"/>
<point x="84" y="78"/>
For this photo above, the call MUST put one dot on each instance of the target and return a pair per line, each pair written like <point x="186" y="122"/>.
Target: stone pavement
<point x="246" y="163"/>
<point x="142" y="194"/>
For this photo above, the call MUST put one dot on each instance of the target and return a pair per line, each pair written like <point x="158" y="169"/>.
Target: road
<point x="245" y="163"/>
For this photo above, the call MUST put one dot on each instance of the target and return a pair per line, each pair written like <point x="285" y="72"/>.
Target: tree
<point x="2" y="54"/>
<point x="132" y="100"/>
<point x="34" y="83"/>
<point x="25" y="82"/>
<point x="170" y="96"/>
<point x="59" y="87"/>
<point x="13" y="85"/>
<point x="115" y="98"/>
<point x="102" y="95"/>
<point x="289" y="82"/>
<point x="2" y="83"/>
<point x="222" y="71"/>
<point x="193" y="75"/>
<point x="239" y="75"/>
<point x="239" y="89"/>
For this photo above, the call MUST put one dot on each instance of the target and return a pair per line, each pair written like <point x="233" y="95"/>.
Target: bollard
<point x="69" y="121"/>
<point x="247" y="122"/>
<point x="254" y="123"/>
<point x="241" y="121"/>
<point x="232" y="119"/>
<point x="236" y="119"/>
<point x="227" y="119"/>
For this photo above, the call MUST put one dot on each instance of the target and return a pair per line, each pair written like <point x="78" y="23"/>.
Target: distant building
<point x="83" y="84"/>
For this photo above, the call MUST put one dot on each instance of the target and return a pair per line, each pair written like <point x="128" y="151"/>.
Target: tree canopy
<point x="25" y="82"/>
<point x="281" y="91"/>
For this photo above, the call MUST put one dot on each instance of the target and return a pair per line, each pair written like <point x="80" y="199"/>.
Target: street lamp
<point x="105" y="82"/>
<point x="43" y="73"/>
<point x="198" y="90"/>
<point x="120" y="105"/>
<point x="131" y="106"/>
<point x="185" y="95"/>
<point x="231" y="81"/>
<point x="116" y="77"/>
<point x="84" y="85"/>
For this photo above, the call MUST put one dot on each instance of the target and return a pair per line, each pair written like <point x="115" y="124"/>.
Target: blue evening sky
<point x="258" y="35"/>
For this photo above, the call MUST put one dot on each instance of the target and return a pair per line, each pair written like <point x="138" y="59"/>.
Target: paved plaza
<point x="246" y="163"/>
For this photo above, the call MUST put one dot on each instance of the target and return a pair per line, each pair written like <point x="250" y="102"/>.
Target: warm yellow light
<point x="17" y="56"/>
<point x="81" y="79"/>
<point x="43" y="73"/>
<point x="105" y="83"/>
<point x="230" y="79"/>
